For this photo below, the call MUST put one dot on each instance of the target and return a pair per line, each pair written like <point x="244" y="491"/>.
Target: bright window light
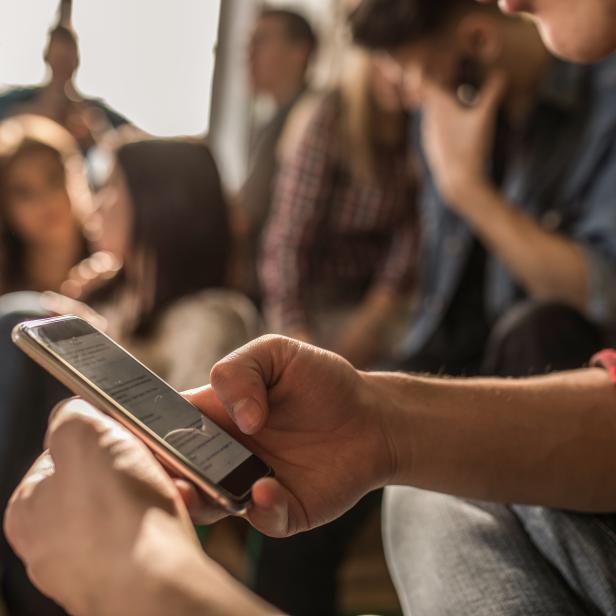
<point x="152" y="61"/>
<point x="23" y="32"/>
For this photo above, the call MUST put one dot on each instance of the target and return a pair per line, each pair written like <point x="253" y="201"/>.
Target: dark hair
<point x="298" y="28"/>
<point x="180" y="220"/>
<point x="388" y="24"/>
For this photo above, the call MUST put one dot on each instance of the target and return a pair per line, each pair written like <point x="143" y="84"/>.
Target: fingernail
<point x="246" y="414"/>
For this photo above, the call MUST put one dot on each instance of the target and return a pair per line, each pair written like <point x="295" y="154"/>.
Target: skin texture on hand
<point x="458" y="139"/>
<point x="308" y="414"/>
<point x="332" y="434"/>
<point x="103" y="531"/>
<point x="122" y="533"/>
<point x="546" y="441"/>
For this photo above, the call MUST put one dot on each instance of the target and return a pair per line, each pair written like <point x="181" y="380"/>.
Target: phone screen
<point x="210" y="450"/>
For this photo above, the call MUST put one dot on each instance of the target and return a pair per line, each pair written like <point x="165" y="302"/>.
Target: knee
<point x="409" y="518"/>
<point x="533" y="318"/>
<point x="536" y="337"/>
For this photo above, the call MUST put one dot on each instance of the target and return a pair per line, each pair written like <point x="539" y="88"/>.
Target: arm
<point x="545" y="441"/>
<point x="332" y="434"/>
<point x="548" y="265"/>
<point x="457" y="141"/>
<point x="122" y="542"/>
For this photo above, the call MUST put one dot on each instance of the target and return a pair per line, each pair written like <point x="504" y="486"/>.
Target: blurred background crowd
<point x="422" y="188"/>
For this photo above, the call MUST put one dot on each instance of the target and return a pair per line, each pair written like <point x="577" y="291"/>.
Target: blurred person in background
<point x="518" y="253"/>
<point x="58" y="99"/>
<point x="338" y="254"/>
<point x="43" y="201"/>
<point x="337" y="268"/>
<point x="163" y="216"/>
<point x="282" y="47"/>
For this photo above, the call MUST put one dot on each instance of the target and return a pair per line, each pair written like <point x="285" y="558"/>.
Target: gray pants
<point x="449" y="556"/>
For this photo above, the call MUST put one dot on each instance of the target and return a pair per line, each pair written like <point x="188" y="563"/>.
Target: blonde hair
<point x="366" y="129"/>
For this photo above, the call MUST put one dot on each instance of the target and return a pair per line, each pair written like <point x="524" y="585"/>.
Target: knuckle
<point x="221" y="371"/>
<point x="271" y="340"/>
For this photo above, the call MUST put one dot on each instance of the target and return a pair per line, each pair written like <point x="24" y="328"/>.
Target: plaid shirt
<point x="331" y="230"/>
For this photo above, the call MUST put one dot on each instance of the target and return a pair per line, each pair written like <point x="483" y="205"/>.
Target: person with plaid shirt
<point x="339" y="248"/>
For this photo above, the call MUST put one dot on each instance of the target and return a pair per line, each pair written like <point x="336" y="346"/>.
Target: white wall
<point x="23" y="31"/>
<point x="234" y="111"/>
<point x="152" y="60"/>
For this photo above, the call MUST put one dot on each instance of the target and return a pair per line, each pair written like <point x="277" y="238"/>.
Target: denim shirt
<point x="561" y="170"/>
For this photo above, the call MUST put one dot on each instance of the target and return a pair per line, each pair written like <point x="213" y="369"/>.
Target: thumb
<point x="241" y="380"/>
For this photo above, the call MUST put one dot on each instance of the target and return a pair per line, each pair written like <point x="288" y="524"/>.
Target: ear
<point x="481" y="36"/>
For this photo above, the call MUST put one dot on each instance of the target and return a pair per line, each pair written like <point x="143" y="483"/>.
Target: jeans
<point x="530" y="338"/>
<point x="27" y="395"/>
<point x="449" y="556"/>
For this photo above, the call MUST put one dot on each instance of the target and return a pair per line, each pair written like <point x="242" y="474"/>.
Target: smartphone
<point x="96" y="368"/>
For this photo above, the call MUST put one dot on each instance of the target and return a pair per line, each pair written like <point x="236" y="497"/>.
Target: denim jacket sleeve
<point x="595" y="233"/>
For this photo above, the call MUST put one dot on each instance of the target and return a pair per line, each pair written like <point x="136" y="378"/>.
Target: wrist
<point x="170" y="574"/>
<point x="467" y="193"/>
<point x="385" y="403"/>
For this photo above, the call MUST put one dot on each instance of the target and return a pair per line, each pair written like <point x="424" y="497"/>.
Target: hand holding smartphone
<point x="96" y="368"/>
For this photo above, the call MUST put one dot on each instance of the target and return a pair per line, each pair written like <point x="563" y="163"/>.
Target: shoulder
<point x="113" y="117"/>
<point x="309" y="107"/>
<point x="313" y="121"/>
<point x="15" y="96"/>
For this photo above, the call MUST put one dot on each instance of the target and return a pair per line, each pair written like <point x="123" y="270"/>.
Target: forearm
<point x="547" y="441"/>
<point x="175" y="577"/>
<point x="549" y="266"/>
